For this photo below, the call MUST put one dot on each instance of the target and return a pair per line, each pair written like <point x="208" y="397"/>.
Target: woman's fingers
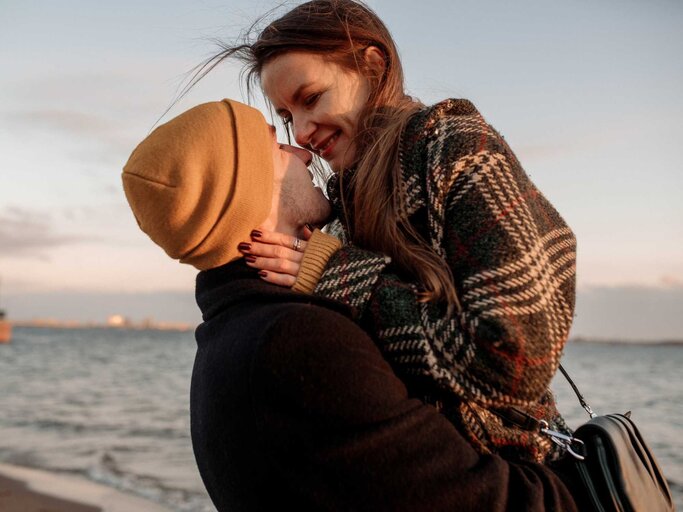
<point x="270" y="251"/>
<point x="279" y="279"/>
<point x="279" y="265"/>
<point x="277" y="256"/>
<point x="273" y="238"/>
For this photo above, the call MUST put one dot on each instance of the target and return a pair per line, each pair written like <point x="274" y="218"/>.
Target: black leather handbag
<point x="613" y="464"/>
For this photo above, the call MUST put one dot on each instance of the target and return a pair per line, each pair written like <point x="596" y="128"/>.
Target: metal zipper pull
<point x="561" y="439"/>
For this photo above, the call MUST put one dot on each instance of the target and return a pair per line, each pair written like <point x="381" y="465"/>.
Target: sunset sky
<point x="588" y="94"/>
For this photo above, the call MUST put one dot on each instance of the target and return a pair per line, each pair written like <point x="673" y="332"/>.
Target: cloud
<point x="94" y="143"/>
<point x="107" y="133"/>
<point x="573" y="142"/>
<point x="65" y="121"/>
<point x="29" y="233"/>
<point x="82" y="213"/>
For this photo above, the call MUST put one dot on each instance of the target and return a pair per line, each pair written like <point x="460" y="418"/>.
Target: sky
<point x="587" y="93"/>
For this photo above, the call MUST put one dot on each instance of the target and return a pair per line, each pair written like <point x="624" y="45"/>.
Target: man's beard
<point x="298" y="212"/>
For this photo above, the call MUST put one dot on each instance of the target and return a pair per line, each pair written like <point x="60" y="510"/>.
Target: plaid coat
<point x="513" y="262"/>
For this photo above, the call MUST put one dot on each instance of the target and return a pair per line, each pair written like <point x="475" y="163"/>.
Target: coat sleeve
<point x="333" y="415"/>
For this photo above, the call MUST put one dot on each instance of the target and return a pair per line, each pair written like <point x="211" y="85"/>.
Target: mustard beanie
<point x="200" y="183"/>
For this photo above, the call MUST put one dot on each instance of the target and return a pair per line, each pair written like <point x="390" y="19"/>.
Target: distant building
<point x="5" y="329"/>
<point x="117" y="321"/>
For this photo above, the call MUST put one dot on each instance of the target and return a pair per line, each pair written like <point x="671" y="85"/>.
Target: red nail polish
<point x="256" y="234"/>
<point x="263" y="273"/>
<point x="250" y="258"/>
<point x="244" y="247"/>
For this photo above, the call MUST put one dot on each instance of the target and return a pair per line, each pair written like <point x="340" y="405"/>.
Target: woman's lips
<point x="326" y="149"/>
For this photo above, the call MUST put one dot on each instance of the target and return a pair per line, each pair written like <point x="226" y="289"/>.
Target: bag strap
<point x="582" y="400"/>
<point x="527" y="422"/>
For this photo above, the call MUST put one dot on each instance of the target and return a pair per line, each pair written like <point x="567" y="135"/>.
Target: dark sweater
<point x="292" y="404"/>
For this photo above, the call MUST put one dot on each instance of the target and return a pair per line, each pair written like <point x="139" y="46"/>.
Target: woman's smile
<point x="325" y="147"/>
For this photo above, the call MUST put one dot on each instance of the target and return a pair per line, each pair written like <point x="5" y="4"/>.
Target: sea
<point x="112" y="405"/>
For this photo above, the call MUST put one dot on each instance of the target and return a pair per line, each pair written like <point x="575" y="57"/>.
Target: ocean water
<point x="113" y="405"/>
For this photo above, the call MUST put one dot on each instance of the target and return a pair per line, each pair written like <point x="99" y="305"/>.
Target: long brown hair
<point x="341" y="30"/>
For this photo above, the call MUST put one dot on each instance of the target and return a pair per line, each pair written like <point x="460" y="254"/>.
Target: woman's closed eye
<point x="311" y="99"/>
<point x="308" y="101"/>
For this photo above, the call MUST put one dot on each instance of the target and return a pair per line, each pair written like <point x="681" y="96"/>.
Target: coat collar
<point x="235" y="284"/>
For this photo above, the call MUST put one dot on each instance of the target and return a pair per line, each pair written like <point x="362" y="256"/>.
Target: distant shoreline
<point x="183" y="327"/>
<point x="603" y="341"/>
<point x="160" y="326"/>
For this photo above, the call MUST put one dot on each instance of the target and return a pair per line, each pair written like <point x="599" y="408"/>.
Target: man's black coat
<point x="292" y="405"/>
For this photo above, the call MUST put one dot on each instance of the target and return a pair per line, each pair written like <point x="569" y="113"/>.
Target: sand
<point x="30" y="490"/>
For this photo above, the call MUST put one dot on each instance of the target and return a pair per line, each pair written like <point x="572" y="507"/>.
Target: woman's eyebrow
<point x="295" y="96"/>
<point x="297" y="93"/>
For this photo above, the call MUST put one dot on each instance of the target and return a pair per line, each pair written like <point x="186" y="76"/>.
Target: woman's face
<point x="321" y="101"/>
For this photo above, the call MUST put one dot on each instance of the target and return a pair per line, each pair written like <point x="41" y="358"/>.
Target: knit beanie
<point x="200" y="183"/>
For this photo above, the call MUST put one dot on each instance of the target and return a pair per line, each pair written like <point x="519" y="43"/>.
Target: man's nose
<point x="302" y="154"/>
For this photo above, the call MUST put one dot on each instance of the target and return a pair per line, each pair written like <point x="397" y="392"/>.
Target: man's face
<point x="296" y="199"/>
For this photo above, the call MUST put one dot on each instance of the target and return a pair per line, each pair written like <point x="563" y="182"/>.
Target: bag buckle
<point x="562" y="440"/>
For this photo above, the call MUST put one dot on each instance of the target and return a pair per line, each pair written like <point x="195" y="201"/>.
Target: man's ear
<point x="375" y="62"/>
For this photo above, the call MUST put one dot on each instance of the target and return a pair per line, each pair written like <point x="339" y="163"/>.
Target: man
<point x="292" y="404"/>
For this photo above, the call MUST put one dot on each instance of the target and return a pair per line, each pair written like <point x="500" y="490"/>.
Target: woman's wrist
<point x="319" y="249"/>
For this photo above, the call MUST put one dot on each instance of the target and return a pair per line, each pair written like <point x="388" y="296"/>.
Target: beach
<point x="30" y="490"/>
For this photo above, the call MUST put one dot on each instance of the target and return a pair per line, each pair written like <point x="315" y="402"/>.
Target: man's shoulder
<point x="298" y="353"/>
<point x="311" y="330"/>
<point x="319" y="361"/>
<point x="306" y="318"/>
<point x="297" y="327"/>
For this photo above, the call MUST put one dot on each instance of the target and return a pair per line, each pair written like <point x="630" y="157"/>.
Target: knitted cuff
<point x="318" y="251"/>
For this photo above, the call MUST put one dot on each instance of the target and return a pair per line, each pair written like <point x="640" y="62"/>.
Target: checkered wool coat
<point x="513" y="262"/>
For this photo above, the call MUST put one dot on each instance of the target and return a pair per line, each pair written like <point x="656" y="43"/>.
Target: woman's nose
<point x="303" y="129"/>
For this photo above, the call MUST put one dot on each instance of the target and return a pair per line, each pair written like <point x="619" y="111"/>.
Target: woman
<point x="476" y="304"/>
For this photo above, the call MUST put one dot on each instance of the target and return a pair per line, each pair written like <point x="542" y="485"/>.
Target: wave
<point x="108" y="471"/>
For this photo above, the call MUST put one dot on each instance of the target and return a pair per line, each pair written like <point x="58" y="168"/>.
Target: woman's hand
<point x="277" y="256"/>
